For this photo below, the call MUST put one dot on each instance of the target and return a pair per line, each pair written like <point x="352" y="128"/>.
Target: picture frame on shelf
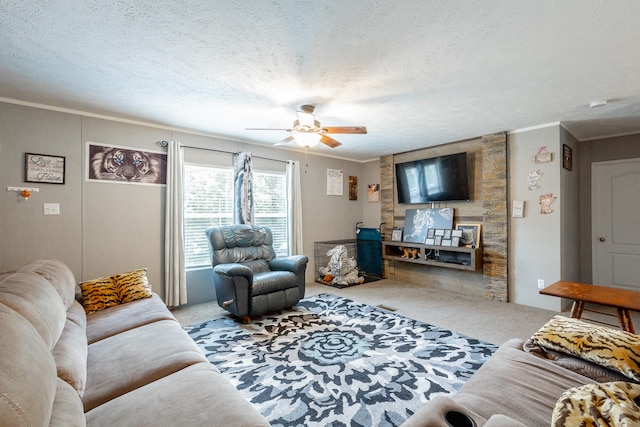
<point x="455" y="240"/>
<point x="396" y="234"/>
<point x="471" y="234"/>
<point x="430" y="241"/>
<point x="437" y="241"/>
<point x="446" y="242"/>
<point x="447" y="234"/>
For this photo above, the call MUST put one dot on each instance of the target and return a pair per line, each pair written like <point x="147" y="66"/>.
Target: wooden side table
<point x="581" y="293"/>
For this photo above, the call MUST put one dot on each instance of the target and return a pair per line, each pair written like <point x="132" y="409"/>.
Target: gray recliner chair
<point x="248" y="278"/>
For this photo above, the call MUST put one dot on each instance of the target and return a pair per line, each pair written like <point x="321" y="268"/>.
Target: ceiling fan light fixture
<point x="306" y="119"/>
<point x="307" y="139"/>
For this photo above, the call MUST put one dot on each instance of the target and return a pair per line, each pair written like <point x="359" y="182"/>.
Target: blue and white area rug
<point x="336" y="362"/>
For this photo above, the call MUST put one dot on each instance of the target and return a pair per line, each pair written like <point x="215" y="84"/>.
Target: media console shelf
<point x="458" y="257"/>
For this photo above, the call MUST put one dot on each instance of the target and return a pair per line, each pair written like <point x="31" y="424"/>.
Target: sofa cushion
<point x="612" y="348"/>
<point x="132" y="285"/>
<point x="34" y="298"/>
<point x="67" y="408"/>
<point x="70" y="353"/>
<point x="120" y="318"/>
<point x="58" y="275"/>
<point x="197" y="395"/>
<point x="98" y="294"/>
<point x="518" y="385"/>
<point x="28" y="379"/>
<point x="134" y="358"/>
<point x="610" y="404"/>
<point x="583" y="367"/>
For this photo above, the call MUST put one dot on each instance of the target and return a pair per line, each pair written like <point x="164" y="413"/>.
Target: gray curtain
<point x="294" y="209"/>
<point x="242" y="189"/>
<point x="175" y="282"/>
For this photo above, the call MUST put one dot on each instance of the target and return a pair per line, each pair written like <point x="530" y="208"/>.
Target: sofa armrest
<point x="433" y="414"/>
<point x="294" y="263"/>
<point x="231" y="270"/>
<point x="499" y="420"/>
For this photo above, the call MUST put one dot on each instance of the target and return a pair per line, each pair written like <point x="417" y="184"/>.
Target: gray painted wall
<point x="106" y="228"/>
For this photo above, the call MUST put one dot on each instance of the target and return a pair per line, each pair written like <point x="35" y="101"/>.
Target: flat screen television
<point x="438" y="179"/>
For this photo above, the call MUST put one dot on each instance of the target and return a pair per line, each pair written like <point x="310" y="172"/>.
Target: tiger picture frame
<point x="125" y="165"/>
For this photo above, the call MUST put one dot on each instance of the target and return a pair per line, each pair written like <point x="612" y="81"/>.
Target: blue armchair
<point x="249" y="280"/>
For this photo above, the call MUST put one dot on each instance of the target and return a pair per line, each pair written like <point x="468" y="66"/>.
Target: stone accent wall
<point x="386" y="206"/>
<point x="495" y="216"/>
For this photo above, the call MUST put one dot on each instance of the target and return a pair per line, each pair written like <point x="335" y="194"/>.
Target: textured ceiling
<point x="415" y="73"/>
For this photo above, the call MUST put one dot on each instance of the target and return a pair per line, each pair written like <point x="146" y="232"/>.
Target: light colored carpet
<point x="490" y="321"/>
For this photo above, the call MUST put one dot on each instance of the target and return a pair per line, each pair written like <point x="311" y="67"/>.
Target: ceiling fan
<point x="307" y="132"/>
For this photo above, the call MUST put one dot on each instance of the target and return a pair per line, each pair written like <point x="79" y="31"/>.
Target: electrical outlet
<point x="540" y="283"/>
<point x="52" y="208"/>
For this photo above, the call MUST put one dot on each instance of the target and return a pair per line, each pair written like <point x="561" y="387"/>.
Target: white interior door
<point x="615" y="195"/>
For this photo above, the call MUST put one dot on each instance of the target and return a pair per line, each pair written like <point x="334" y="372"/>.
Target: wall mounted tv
<point x="437" y="179"/>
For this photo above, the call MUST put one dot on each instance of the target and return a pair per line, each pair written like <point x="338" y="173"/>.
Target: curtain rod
<point x="166" y="143"/>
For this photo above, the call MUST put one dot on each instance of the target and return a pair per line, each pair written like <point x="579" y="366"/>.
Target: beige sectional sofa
<point x="129" y="364"/>
<point x="525" y="384"/>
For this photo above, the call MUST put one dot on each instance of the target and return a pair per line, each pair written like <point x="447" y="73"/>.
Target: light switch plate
<point x="52" y="208"/>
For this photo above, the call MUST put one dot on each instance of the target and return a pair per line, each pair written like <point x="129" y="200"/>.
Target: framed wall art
<point x="567" y="157"/>
<point x="470" y="234"/>
<point x="125" y="165"/>
<point x="44" y="168"/>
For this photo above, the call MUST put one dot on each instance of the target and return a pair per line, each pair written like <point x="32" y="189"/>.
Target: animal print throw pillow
<point x="605" y="404"/>
<point x="105" y="292"/>
<point x="132" y="285"/>
<point x="98" y="294"/>
<point x="612" y="348"/>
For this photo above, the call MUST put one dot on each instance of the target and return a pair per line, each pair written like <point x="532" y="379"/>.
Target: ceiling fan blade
<point x="330" y="141"/>
<point x="288" y="130"/>
<point x="345" y="129"/>
<point x="284" y="141"/>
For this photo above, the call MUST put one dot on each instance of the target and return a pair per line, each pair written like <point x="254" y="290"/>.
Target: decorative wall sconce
<point x="25" y="193"/>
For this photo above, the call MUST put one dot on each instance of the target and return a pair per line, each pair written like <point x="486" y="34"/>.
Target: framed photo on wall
<point x="470" y="236"/>
<point x="44" y="168"/>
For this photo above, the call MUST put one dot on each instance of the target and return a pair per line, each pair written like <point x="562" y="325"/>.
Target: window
<point x="208" y="201"/>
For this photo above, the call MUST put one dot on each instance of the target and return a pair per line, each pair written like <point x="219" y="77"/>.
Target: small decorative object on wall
<point x="567" y="157"/>
<point x="533" y="179"/>
<point x="44" y="168"/>
<point x="373" y="194"/>
<point x="125" y="165"/>
<point x="543" y="155"/>
<point x="545" y="203"/>
<point x="470" y="234"/>
<point x="396" y="234"/>
<point x="518" y="209"/>
<point x="417" y="222"/>
<point x="335" y="179"/>
<point x="353" y="188"/>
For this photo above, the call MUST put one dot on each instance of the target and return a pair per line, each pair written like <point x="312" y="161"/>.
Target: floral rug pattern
<point x="336" y="362"/>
